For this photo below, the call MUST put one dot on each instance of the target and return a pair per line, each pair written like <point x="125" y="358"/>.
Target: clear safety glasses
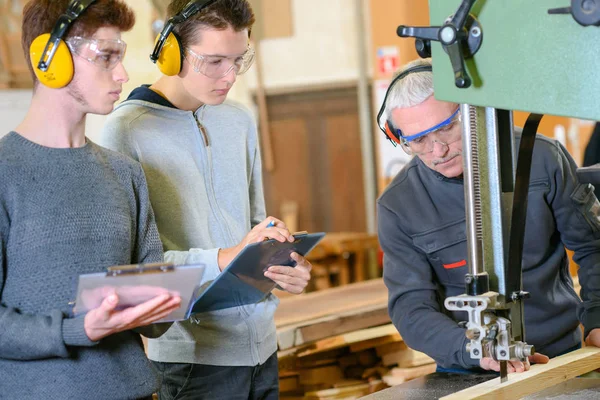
<point x="216" y="67"/>
<point x="105" y="53"/>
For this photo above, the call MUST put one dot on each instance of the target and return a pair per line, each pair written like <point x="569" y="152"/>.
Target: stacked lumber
<point x="339" y="344"/>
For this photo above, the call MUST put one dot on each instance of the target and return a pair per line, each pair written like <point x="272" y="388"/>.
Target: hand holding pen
<point x="270" y="228"/>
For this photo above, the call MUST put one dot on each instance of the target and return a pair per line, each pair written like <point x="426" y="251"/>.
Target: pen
<point x="270" y="224"/>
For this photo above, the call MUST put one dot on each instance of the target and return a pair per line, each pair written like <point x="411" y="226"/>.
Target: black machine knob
<point x="423" y="48"/>
<point x="460" y="37"/>
<point x="585" y="12"/>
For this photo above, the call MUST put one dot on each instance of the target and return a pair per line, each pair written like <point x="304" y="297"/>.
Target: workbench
<point x="438" y="384"/>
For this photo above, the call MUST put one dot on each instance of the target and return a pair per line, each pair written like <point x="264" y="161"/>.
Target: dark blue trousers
<point x="198" y="381"/>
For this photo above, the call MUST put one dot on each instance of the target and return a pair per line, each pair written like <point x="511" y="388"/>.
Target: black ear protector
<point x="168" y="53"/>
<point x="51" y="46"/>
<point x="391" y="133"/>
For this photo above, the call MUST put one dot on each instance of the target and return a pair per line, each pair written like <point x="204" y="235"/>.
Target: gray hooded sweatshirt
<point x="205" y="181"/>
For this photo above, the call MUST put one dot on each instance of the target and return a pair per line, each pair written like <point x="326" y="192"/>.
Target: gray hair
<point x="411" y="90"/>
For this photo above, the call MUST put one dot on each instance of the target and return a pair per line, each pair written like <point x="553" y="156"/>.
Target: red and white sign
<point x="387" y="60"/>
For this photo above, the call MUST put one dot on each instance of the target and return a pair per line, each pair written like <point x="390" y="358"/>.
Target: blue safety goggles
<point x="442" y="124"/>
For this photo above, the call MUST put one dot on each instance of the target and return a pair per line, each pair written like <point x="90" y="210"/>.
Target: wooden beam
<point x="263" y="115"/>
<point x="414" y="372"/>
<point x="306" y="307"/>
<point x="347" y="339"/>
<point x="320" y="328"/>
<point x="376" y="342"/>
<point x="348" y="392"/>
<point x="539" y="377"/>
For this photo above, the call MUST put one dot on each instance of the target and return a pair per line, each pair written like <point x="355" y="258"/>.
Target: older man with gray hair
<point x="422" y="231"/>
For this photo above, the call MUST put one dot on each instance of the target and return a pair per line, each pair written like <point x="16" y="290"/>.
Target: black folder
<point x="243" y="280"/>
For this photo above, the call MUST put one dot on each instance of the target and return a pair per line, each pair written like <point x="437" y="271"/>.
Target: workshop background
<point x="321" y="70"/>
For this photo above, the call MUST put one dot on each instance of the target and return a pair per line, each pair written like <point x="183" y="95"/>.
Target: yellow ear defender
<point x="60" y="72"/>
<point x="168" y="52"/>
<point x="170" y="57"/>
<point x="50" y="56"/>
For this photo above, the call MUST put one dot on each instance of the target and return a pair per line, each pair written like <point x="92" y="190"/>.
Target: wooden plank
<point x="348" y="392"/>
<point x="392" y="347"/>
<point x="406" y="358"/>
<point x="412" y="373"/>
<point x="288" y="384"/>
<point x="348" y="382"/>
<point x="346" y="340"/>
<point x="263" y="115"/>
<point x="320" y="328"/>
<point x="539" y="377"/>
<point x="310" y="306"/>
<point x="318" y="359"/>
<point x="400" y="354"/>
<point x="376" y="342"/>
<point x="328" y="374"/>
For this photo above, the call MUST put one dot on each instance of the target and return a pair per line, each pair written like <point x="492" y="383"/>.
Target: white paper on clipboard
<point x="135" y="284"/>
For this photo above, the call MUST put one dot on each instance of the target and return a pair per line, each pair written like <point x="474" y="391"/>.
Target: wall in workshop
<point x="13" y="107"/>
<point x="389" y="52"/>
<point x="322" y="50"/>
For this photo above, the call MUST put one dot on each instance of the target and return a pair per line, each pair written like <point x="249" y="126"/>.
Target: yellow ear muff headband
<point x="49" y="54"/>
<point x="168" y="52"/>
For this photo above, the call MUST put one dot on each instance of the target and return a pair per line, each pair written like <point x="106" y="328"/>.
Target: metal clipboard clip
<point x="134" y="269"/>
<point x="137" y="283"/>
<point x="299" y="236"/>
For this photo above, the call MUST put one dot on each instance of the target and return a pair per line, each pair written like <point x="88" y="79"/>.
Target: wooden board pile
<point x="339" y="344"/>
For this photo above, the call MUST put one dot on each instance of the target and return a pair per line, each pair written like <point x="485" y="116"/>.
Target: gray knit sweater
<point x="65" y="212"/>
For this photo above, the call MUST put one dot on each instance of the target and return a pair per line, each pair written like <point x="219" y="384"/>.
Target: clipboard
<point x="243" y="281"/>
<point x="137" y="283"/>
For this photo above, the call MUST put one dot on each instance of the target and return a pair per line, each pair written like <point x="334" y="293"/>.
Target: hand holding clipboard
<point x="245" y="279"/>
<point x="291" y="278"/>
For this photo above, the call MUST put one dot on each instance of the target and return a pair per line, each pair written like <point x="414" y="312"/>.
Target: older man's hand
<point x="513" y="365"/>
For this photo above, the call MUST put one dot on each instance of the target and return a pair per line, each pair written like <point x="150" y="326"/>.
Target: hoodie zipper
<point x="252" y="329"/>
<point x="209" y="179"/>
<point x="202" y="130"/>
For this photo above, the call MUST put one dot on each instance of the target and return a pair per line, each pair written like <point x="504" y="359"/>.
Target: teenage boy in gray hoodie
<point x="70" y="207"/>
<point x="202" y="161"/>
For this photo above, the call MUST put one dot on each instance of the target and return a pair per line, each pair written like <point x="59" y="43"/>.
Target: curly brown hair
<point x="220" y="15"/>
<point x="39" y="17"/>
